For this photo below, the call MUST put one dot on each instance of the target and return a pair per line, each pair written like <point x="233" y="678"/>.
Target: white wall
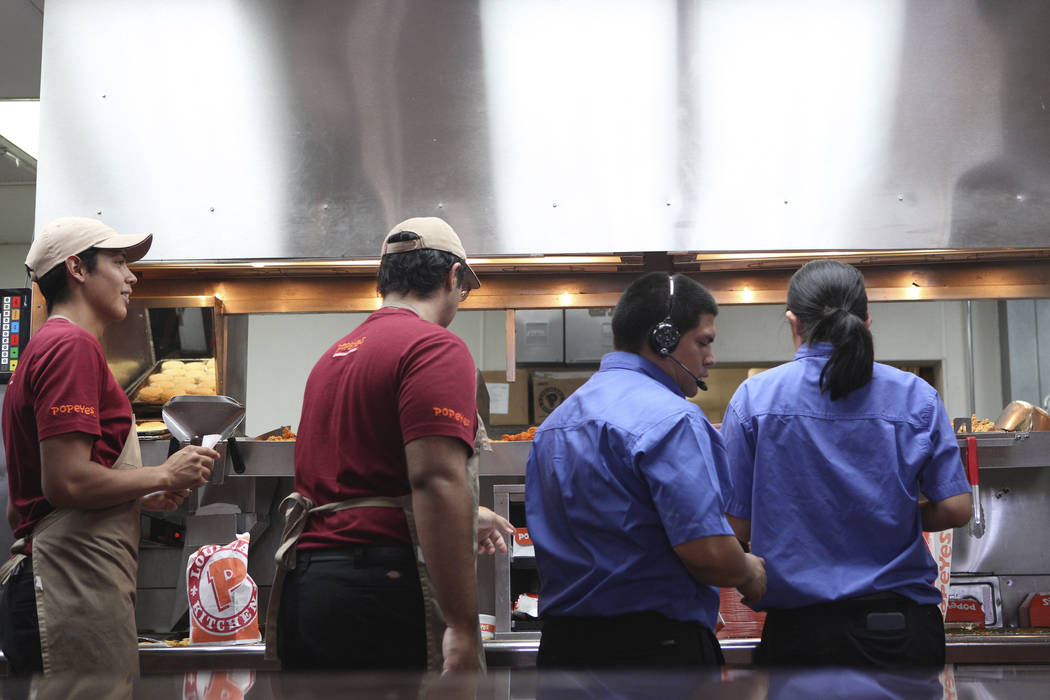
<point x="286" y="346"/>
<point x="12" y="265"/>
<point x="282" y="349"/>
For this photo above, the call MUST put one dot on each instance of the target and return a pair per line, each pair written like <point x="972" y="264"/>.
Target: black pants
<point x="883" y="631"/>
<point x="354" y="608"/>
<point x="19" y="631"/>
<point x="632" y="640"/>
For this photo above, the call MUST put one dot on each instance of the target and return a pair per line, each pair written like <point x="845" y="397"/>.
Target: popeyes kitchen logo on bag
<point x="453" y="414"/>
<point x="223" y="598"/>
<point x="217" y="685"/>
<point x="344" y="349"/>
<point x="73" y="408"/>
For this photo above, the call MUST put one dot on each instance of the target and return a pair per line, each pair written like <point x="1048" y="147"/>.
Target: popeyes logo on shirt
<point x="73" y="408"/>
<point x="453" y="414"/>
<point x="344" y="349"/>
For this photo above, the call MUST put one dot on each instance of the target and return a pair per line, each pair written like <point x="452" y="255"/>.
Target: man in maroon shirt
<point x="76" y="482"/>
<point x="389" y="410"/>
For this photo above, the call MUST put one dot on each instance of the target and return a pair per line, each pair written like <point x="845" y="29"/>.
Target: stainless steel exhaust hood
<point x="260" y="129"/>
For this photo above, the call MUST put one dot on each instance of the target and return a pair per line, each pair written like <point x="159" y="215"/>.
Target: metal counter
<point x="1010" y="552"/>
<point x="521" y="654"/>
<point x="994" y="682"/>
<point x="982" y="649"/>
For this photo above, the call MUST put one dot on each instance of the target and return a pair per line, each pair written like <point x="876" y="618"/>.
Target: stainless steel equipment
<point x="841" y="126"/>
<point x="540" y="335"/>
<point x="190" y="418"/>
<point x="1015" y="488"/>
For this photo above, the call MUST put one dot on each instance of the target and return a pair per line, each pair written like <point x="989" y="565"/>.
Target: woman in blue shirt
<point x="827" y="456"/>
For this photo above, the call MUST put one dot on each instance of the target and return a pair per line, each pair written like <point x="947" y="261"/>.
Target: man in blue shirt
<point x="623" y="496"/>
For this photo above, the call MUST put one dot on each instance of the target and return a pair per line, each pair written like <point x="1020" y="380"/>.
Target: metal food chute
<point x="189" y="418"/>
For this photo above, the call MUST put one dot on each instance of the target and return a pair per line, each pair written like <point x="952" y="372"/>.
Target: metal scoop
<point x="189" y="418"/>
<point x="1023" y="417"/>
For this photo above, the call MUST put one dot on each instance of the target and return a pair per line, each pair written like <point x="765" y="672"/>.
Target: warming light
<point x="747" y="296"/>
<point x="565" y="298"/>
<point x="914" y="291"/>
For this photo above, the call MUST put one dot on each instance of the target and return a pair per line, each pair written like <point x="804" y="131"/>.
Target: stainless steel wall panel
<point x="1025" y="338"/>
<point x="271" y="129"/>
<point x="1017" y="516"/>
<point x="540" y="335"/>
<point x="588" y="334"/>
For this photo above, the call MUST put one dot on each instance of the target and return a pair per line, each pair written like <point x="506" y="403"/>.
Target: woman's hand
<point x="491" y="529"/>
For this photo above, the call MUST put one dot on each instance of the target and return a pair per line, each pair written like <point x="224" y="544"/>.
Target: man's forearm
<point x="90" y="485"/>
<point x="717" y="561"/>
<point x="444" y="518"/>
<point x="950" y="512"/>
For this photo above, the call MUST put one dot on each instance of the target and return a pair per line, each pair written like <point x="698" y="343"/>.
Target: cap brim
<point x="470" y="278"/>
<point x="135" y="246"/>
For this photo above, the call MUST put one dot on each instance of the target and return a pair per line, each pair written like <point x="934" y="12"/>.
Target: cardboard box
<point x="508" y="401"/>
<point x="550" y="389"/>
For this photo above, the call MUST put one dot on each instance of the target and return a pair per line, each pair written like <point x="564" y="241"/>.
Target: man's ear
<point x="451" y="280"/>
<point x="76" y="268"/>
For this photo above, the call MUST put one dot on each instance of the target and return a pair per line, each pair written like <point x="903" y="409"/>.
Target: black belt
<point x="884" y="611"/>
<point x="360" y="555"/>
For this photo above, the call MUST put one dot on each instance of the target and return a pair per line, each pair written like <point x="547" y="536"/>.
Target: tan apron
<point x="297" y="508"/>
<point x="84" y="567"/>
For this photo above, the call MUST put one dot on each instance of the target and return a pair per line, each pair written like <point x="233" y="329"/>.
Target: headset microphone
<point x="664" y="336"/>
<point x="699" y="381"/>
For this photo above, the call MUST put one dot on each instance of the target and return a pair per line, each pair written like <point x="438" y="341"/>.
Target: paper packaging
<point x="523" y="546"/>
<point x="488" y="626"/>
<point x="223" y="598"/>
<point x="940" y="546"/>
<point x="1035" y="610"/>
<point x="508" y="401"/>
<point x="528" y="604"/>
<point x="550" y="389"/>
<point x="964" y="612"/>
<point x="228" y="685"/>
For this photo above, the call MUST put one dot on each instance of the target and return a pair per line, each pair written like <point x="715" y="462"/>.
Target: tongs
<point x="973" y="475"/>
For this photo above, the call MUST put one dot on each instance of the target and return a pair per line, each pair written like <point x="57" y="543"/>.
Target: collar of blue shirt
<point x="814" y="350"/>
<point x="637" y="363"/>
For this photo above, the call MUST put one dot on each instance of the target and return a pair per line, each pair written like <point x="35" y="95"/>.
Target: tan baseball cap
<point x="435" y="234"/>
<point x="71" y="235"/>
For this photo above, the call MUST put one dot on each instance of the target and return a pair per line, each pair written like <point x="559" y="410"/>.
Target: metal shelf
<point x="1010" y="450"/>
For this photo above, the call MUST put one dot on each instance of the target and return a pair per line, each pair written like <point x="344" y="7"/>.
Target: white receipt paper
<point x="499" y="397"/>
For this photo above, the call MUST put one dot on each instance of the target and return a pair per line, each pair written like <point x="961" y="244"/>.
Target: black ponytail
<point x="829" y="299"/>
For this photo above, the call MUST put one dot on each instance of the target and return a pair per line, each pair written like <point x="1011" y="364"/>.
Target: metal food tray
<point x="143" y="408"/>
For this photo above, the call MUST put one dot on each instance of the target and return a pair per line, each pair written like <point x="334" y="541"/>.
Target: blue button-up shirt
<point x="621" y="472"/>
<point x="831" y="487"/>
